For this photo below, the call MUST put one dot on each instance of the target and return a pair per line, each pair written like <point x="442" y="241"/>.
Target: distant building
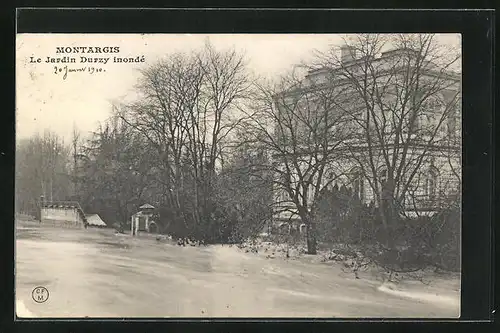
<point x="63" y="214"/>
<point x="142" y="220"/>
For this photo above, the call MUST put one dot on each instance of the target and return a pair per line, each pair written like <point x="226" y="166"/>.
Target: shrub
<point x="415" y="243"/>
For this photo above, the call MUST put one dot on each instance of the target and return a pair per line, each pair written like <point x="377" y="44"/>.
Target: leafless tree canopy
<point x="184" y="112"/>
<point x="42" y="169"/>
<point x="301" y="131"/>
<point x="406" y="104"/>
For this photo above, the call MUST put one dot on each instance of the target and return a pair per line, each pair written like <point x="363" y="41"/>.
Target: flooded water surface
<point x="96" y="273"/>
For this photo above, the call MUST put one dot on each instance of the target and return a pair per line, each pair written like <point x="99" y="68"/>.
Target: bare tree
<point x="400" y="102"/>
<point x="243" y="193"/>
<point x="184" y="111"/>
<point x="168" y="92"/>
<point x="75" y="146"/>
<point x="301" y="130"/>
<point x="116" y="173"/>
<point x="41" y="169"/>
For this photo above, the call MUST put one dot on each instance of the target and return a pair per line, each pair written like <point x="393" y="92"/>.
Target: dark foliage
<point x="416" y="243"/>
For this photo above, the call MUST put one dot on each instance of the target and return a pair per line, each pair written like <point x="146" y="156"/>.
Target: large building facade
<point x="395" y="124"/>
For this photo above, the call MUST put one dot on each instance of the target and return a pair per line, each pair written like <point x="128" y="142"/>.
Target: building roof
<point x="146" y="206"/>
<point x="95" y="219"/>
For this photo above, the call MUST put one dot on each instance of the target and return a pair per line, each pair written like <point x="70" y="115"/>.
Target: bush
<point x="427" y="242"/>
<point x="408" y="244"/>
<point x="342" y="218"/>
<point x="119" y="227"/>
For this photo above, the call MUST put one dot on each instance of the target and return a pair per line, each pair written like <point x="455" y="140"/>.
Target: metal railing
<point x="423" y="202"/>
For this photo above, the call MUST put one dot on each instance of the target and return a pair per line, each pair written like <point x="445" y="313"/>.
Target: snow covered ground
<point x="96" y="273"/>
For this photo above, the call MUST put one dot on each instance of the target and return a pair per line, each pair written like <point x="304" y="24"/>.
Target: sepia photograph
<point x="238" y="175"/>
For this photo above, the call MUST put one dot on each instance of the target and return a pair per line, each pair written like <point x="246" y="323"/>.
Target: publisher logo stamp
<point x="40" y="294"/>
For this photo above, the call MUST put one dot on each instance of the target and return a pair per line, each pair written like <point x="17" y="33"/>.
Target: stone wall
<point x="62" y="224"/>
<point x="61" y="217"/>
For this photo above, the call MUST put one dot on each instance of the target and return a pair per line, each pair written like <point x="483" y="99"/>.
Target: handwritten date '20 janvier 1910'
<point x="65" y="70"/>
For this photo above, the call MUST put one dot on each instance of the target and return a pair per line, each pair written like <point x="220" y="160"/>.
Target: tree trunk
<point x="310" y="235"/>
<point x="388" y="213"/>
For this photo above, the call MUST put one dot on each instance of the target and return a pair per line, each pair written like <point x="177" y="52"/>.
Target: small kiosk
<point x="142" y="220"/>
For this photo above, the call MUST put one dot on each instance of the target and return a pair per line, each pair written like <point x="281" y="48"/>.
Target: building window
<point x="418" y="107"/>
<point x="329" y="180"/>
<point x="358" y="185"/>
<point x="310" y="195"/>
<point x="382" y="175"/>
<point x="282" y="196"/>
<point x="416" y="123"/>
<point x="452" y="126"/>
<point x="431" y="183"/>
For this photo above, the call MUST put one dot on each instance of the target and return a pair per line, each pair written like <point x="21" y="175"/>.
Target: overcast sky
<point x="45" y="101"/>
